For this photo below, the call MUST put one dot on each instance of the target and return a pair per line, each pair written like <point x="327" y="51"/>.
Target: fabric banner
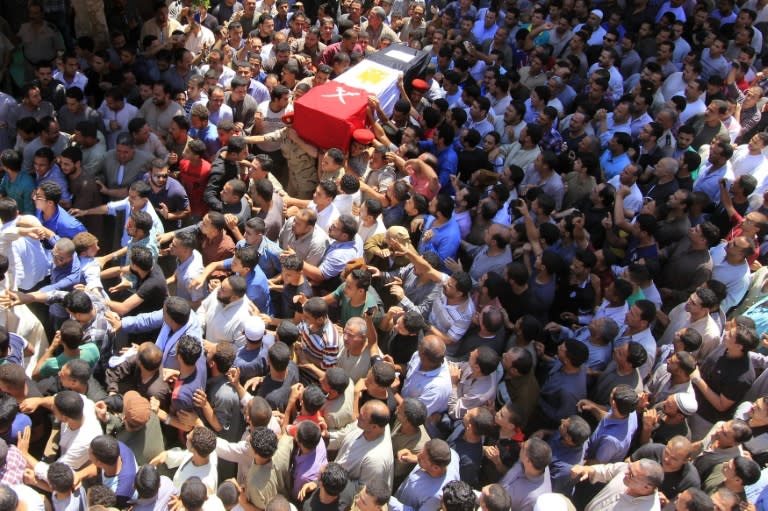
<point x="327" y="115"/>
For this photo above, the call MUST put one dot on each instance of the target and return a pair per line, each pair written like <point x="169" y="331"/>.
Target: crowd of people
<point x="536" y="283"/>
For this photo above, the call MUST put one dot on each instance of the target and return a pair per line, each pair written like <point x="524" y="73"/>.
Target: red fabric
<point x="194" y="180"/>
<point x="327" y="115"/>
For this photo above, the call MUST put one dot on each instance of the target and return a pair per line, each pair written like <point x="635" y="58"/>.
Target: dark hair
<point x="308" y="434"/>
<point x="337" y="379"/>
<point x="178" y="309"/>
<point x="69" y="403"/>
<point x="279" y="355"/>
<point x="313" y="398"/>
<point x="264" y="442"/>
<point x="147" y="481"/>
<point x="334" y="479"/>
<point x="71" y="333"/>
<point x="61" y="477"/>
<point x="105" y="449"/>
<point x="193" y="493"/>
<point x="458" y="496"/>
<point x="142" y="257"/>
<point x="625" y="398"/>
<point x="189" y="349"/>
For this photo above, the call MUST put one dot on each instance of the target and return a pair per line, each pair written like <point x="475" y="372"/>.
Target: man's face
<point x="238" y="93"/>
<point x="44" y="75"/>
<point x="60" y="259"/>
<point x="142" y="135"/>
<point x="66" y="165"/>
<point x="684" y="140"/>
<point x="136" y="201"/>
<point x="159" y="177"/>
<point x="225" y="294"/>
<point x="41" y="165"/>
<point x="159" y="97"/>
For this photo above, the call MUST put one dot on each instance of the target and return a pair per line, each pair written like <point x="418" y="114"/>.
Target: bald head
<point x="431" y="352"/>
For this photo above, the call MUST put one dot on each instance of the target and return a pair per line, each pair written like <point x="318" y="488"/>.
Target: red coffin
<point x="327" y="115"/>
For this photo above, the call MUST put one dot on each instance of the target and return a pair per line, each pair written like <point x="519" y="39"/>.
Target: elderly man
<point x="376" y="27"/>
<point x="366" y="452"/>
<point x="223" y="313"/>
<point x="630" y="485"/>
<point x="428" y="376"/>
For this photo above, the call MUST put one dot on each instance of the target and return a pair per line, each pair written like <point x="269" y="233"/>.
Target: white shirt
<point x="185" y="272"/>
<point x="74" y="444"/>
<point x="736" y="277"/>
<point x="122" y="117"/>
<point x="755" y="165"/>
<point x="325" y="217"/>
<point x="633" y="201"/>
<point x="223" y="323"/>
<point x="194" y="43"/>
<point x="208" y="473"/>
<point x="378" y="227"/>
<point x="692" y="109"/>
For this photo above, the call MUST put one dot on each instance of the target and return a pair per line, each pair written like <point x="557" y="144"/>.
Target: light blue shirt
<point x="338" y="254"/>
<point x="610" y="441"/>
<point x="422" y="492"/>
<point x="185" y="272"/>
<point x="709" y="180"/>
<point x="123" y="205"/>
<point x="613" y="165"/>
<point x="433" y="388"/>
<point x="31" y="263"/>
<point x="166" y="339"/>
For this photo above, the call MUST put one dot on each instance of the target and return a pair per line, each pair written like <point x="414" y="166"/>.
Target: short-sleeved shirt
<point x="153" y="290"/>
<point x="350" y="311"/>
<point x="88" y="352"/>
<point x="174" y="197"/>
<point x="731" y="377"/>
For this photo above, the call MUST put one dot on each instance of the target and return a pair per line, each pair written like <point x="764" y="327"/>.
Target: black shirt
<point x="731" y="377"/>
<point x="674" y="482"/>
<point x="277" y="392"/>
<point x="153" y="290"/>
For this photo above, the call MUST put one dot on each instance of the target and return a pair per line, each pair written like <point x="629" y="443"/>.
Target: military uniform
<point x="302" y="168"/>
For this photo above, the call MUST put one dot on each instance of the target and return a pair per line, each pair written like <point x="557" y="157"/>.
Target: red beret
<point x="364" y="136"/>
<point x="420" y="85"/>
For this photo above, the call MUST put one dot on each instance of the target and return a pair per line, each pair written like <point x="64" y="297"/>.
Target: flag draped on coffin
<point x="377" y="79"/>
<point x="327" y="115"/>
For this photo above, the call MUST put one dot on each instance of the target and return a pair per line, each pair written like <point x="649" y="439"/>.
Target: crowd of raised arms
<point x="534" y="281"/>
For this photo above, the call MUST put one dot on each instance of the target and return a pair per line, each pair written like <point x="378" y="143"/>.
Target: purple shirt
<point x="306" y="467"/>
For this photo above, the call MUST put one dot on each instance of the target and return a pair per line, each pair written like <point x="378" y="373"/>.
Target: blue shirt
<point x="122" y="482"/>
<point x="422" y="492"/>
<point x="561" y="392"/>
<point x="55" y="175"/>
<point x="338" y="254"/>
<point x="123" y="205"/>
<point x="64" y="278"/>
<point x="20" y="190"/>
<point x="447" y="164"/>
<point x="445" y="240"/>
<point x="610" y="441"/>
<point x="709" y="181"/>
<point x="433" y="388"/>
<point x="166" y="339"/>
<point x="613" y="165"/>
<point x="62" y="224"/>
<point x="563" y="458"/>
<point x="210" y="137"/>
<point x="257" y="290"/>
<point x="269" y="257"/>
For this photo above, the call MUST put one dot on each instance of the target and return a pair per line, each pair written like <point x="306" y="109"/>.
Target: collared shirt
<point x="174" y="196"/>
<point x="223" y="323"/>
<point x="310" y="247"/>
<point x="646" y="340"/>
<point x="257" y="290"/>
<point x="185" y="272"/>
<point x="339" y="253"/>
<point x="613" y="165"/>
<point x="563" y="458"/>
<point x="614" y="495"/>
<point x="523" y="489"/>
<point x="420" y="491"/>
<point x="123" y="205"/>
<point x="20" y="190"/>
<point x="709" y="180"/>
<point x="471" y="391"/>
<point x="609" y="443"/>
<point x="30" y="263"/>
<point x="561" y="392"/>
<point x="55" y="175"/>
<point x="433" y="388"/>
<point x="453" y="320"/>
<point x="445" y="239"/>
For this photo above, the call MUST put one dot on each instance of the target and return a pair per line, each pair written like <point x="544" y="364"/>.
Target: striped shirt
<point x="452" y="320"/>
<point x="322" y="347"/>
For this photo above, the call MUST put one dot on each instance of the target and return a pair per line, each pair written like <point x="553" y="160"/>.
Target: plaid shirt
<point x="13" y="471"/>
<point x="552" y="141"/>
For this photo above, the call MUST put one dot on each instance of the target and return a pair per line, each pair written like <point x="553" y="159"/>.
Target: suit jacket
<point x="134" y="169"/>
<point x="245" y="112"/>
